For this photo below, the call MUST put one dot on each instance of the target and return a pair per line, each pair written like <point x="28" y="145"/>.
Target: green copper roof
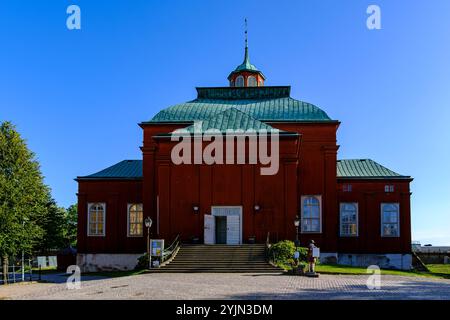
<point x="263" y="104"/>
<point x="365" y="169"/>
<point x="126" y="169"/>
<point x="246" y="65"/>
<point x="346" y="169"/>
<point x="232" y="119"/>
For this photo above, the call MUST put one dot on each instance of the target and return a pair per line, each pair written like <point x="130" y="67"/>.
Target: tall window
<point x="349" y="219"/>
<point x="135" y="220"/>
<point x="240" y="81"/>
<point x="311" y="214"/>
<point x="251" y="81"/>
<point x="96" y="219"/>
<point x="390" y="220"/>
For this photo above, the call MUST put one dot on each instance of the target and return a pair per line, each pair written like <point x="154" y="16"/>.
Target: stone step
<point x="217" y="270"/>
<point x="220" y="258"/>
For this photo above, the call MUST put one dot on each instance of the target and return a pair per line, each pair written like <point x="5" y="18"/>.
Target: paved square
<point x="233" y="286"/>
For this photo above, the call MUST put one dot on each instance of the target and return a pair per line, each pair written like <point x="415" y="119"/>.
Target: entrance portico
<point x="223" y="225"/>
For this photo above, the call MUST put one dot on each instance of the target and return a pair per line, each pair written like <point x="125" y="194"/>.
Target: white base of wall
<point x="92" y="262"/>
<point x="384" y="261"/>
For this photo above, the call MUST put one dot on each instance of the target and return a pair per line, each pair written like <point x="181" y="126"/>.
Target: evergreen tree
<point x="24" y="198"/>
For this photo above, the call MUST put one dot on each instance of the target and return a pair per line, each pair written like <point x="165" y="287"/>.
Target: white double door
<point x="233" y="217"/>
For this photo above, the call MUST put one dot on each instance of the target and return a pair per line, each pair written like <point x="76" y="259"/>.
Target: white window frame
<point x="340" y="220"/>
<point x="248" y="81"/>
<point x="302" y="199"/>
<point x="90" y="204"/>
<point x="128" y="220"/>
<point x="236" y="81"/>
<point x="382" y="223"/>
<point x="389" y="188"/>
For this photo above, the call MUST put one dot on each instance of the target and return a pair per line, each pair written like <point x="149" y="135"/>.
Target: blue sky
<point x="77" y="96"/>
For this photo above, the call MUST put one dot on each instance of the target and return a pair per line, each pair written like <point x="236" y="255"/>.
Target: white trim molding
<point x="241" y="223"/>
<point x="341" y="204"/>
<point x="302" y="200"/>
<point x="89" y="205"/>
<point x="382" y="222"/>
<point x="128" y="220"/>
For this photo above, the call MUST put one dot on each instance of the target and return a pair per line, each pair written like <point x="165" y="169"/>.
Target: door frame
<point x="240" y="218"/>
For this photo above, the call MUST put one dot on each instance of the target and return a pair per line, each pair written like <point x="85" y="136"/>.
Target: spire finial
<point x="246" y="33"/>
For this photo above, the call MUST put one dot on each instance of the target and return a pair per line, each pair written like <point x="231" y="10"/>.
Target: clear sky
<point x="76" y="96"/>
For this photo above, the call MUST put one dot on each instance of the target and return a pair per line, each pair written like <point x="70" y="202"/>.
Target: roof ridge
<point x="244" y="121"/>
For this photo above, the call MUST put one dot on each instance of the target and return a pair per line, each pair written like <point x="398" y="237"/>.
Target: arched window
<point x="96" y="219"/>
<point x="135" y="220"/>
<point x="390" y="220"/>
<point x="311" y="214"/>
<point x="251" y="81"/>
<point x="240" y="81"/>
<point x="349" y="219"/>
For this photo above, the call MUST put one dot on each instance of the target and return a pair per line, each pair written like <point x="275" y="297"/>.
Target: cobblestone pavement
<point x="235" y="286"/>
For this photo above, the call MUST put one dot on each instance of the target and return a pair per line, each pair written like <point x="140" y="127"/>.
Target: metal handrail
<point x="169" y="252"/>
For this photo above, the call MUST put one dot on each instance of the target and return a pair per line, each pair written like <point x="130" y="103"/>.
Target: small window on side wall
<point x="96" y="219"/>
<point x="390" y="220"/>
<point x="135" y="220"/>
<point x="389" y="188"/>
<point x="311" y="214"/>
<point x="347" y="188"/>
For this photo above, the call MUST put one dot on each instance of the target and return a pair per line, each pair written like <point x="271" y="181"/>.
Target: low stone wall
<point x="384" y="261"/>
<point x="433" y="258"/>
<point x="93" y="262"/>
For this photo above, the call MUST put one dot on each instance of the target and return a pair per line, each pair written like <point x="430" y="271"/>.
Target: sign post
<point x="156" y="249"/>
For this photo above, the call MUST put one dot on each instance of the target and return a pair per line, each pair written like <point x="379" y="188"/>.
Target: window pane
<point x="315" y="225"/>
<point x="390" y="229"/>
<point x="100" y="228"/>
<point x="140" y="229"/>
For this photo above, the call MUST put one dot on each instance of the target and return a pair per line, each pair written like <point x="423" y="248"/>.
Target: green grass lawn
<point x="115" y="274"/>
<point x="440" y="271"/>
<point x="436" y="271"/>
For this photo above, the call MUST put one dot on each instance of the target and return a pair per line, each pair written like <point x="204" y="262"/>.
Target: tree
<point x="71" y="227"/>
<point x="54" y="226"/>
<point x="24" y="198"/>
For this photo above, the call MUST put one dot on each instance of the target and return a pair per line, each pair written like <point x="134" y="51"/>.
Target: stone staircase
<point x="246" y="258"/>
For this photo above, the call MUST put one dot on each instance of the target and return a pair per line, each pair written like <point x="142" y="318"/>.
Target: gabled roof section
<point x="232" y="119"/>
<point x="124" y="170"/>
<point x="365" y="169"/>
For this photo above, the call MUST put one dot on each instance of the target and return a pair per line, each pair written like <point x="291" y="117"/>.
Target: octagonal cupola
<point x="246" y="74"/>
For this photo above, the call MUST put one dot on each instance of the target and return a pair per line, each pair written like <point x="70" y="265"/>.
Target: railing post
<point x="31" y="269"/>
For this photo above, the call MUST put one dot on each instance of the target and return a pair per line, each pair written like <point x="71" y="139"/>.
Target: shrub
<point x="283" y="252"/>
<point x="142" y="262"/>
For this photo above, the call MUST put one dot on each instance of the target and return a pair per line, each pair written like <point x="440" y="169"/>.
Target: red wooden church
<point x="357" y="211"/>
